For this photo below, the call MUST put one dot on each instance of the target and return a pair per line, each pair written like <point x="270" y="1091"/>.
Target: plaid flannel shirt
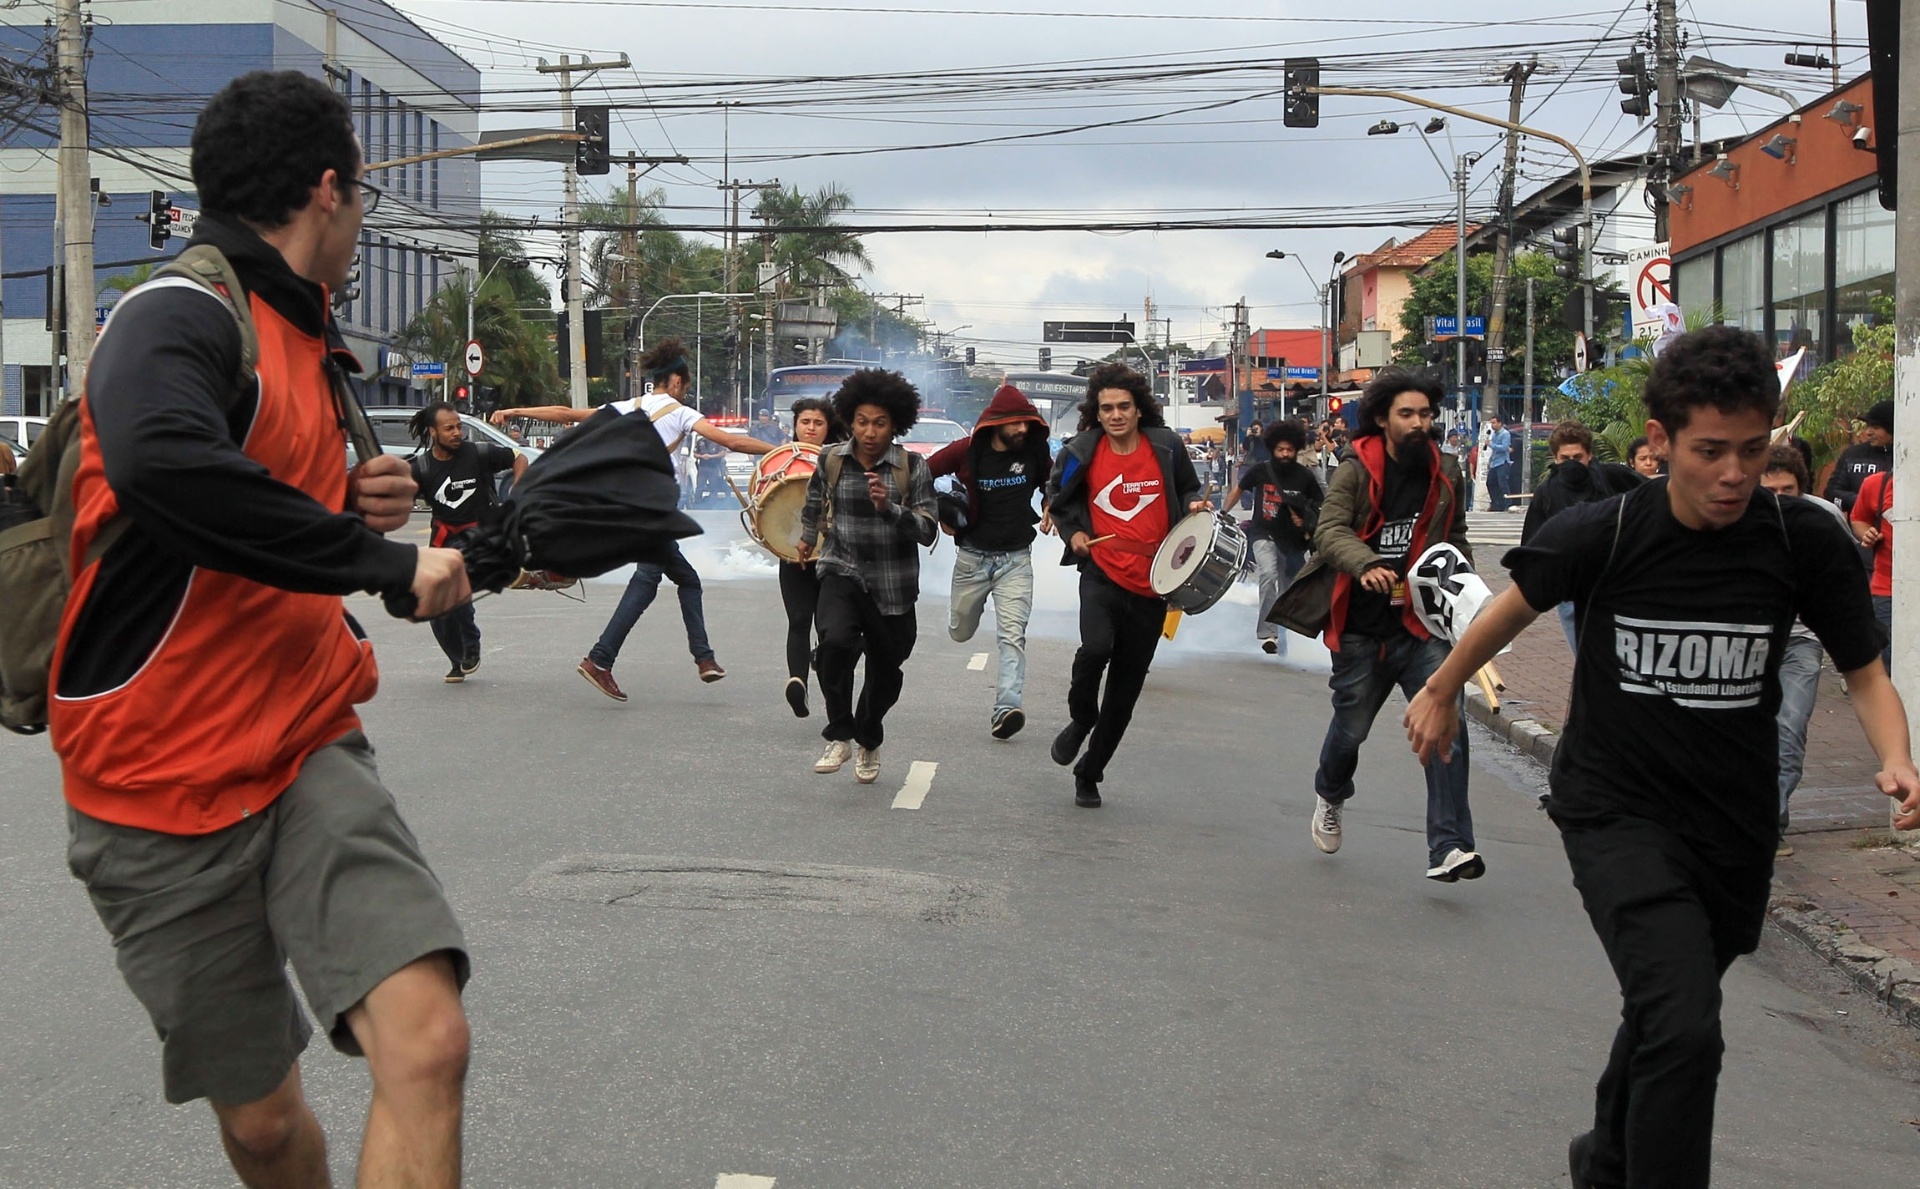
<point x="879" y="551"/>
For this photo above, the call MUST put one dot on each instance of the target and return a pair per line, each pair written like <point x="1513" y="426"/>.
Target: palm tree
<point x="828" y="258"/>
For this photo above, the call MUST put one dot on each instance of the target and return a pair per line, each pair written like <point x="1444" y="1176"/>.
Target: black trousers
<point x="1671" y="923"/>
<point x="850" y="623"/>
<point x="800" y="594"/>
<point x="458" y="633"/>
<point x="1119" y="631"/>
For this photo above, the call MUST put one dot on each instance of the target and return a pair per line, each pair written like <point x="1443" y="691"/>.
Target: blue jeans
<point x="1570" y="624"/>
<point x="641" y="588"/>
<point x="1799" y="684"/>
<point x="1276" y="568"/>
<point x="458" y="633"/>
<point x="1364" y="673"/>
<point x="1008" y="577"/>
<point x="1883" y="611"/>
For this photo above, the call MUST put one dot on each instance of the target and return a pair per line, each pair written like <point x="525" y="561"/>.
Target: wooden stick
<point x="736" y="490"/>
<point x="1096" y="540"/>
<point x="1486" y="688"/>
<point x="1499" y="682"/>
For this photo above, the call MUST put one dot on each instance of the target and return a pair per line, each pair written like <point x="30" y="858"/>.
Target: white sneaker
<point x="1459" y="864"/>
<point x="866" y="764"/>
<point x="835" y="755"/>
<point x="1326" y="825"/>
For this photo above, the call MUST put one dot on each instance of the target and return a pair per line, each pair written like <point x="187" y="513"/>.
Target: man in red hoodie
<point x="1395" y="495"/>
<point x="1002" y="466"/>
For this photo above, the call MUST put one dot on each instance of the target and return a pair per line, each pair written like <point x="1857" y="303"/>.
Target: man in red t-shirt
<point x="1118" y="488"/>
<point x="1874" y="531"/>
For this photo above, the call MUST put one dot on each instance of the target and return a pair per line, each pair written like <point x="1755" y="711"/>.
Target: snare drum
<point x="1198" y="561"/>
<point x="776" y="497"/>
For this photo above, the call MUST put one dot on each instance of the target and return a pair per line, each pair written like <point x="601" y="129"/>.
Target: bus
<point x="788" y="384"/>
<point x="1057" y="395"/>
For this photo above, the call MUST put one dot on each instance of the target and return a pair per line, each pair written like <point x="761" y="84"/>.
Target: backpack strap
<point x="831" y="460"/>
<point x="206" y="266"/>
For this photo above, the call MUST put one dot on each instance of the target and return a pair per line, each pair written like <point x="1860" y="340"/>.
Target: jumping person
<point x="1665" y="781"/>
<point x="457" y="477"/>
<point x="1395" y="496"/>
<point x="1004" y="465"/>
<point x="1286" y="507"/>
<point x="224" y="809"/>
<point x="814" y="424"/>
<point x="666" y="369"/>
<point x="1122" y="484"/>
<point x="870" y="507"/>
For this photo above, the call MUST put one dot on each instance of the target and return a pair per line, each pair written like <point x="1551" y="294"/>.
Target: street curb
<point x="1893" y="982"/>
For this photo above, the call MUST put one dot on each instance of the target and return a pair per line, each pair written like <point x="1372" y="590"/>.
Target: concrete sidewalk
<point x="1849" y="890"/>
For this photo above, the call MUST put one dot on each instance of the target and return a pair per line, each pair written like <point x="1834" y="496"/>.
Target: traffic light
<point x="1334" y="405"/>
<point x="1566" y="252"/>
<point x="1046" y="359"/>
<point x="970" y="357"/>
<point x="590" y="157"/>
<point x="1301" y="108"/>
<point x="1636" y="84"/>
<point x="460" y="395"/>
<point x="159" y="220"/>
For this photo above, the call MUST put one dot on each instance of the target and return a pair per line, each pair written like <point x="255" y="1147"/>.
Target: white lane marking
<point x="978" y="662"/>
<point x="740" y="1180"/>
<point x="919" y="780"/>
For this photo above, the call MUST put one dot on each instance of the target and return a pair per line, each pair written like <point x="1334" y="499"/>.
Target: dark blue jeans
<point x="458" y="633"/>
<point x="1364" y="674"/>
<point x="641" y="589"/>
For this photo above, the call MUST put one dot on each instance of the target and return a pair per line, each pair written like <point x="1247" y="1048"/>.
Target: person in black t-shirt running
<point x="1003" y="465"/>
<point x="1872" y="454"/>
<point x="456" y="476"/>
<point x="1286" y="509"/>
<point x="1665" y="781"/>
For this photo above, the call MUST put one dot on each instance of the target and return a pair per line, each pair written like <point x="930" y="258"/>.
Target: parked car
<point x="930" y="433"/>
<point x="22" y="431"/>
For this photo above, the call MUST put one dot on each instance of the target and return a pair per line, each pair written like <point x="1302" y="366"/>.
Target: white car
<point x="390" y="425"/>
<point x="21" y="431"/>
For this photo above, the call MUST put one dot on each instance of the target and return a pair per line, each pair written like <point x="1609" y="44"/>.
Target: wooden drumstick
<point x="1096" y="540"/>
<point x="736" y="490"/>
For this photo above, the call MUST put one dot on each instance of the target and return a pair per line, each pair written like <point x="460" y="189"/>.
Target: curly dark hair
<point x="836" y="429"/>
<point x="668" y="357"/>
<point x="1389" y="382"/>
<point x="264" y="142"/>
<point x="1293" y="433"/>
<point x="1571" y="433"/>
<point x="420" y="425"/>
<point x="876" y="386"/>
<point x="1119" y="375"/>
<point x="1722" y="366"/>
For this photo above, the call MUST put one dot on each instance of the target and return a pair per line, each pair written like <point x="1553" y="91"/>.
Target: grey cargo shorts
<point x="327" y="877"/>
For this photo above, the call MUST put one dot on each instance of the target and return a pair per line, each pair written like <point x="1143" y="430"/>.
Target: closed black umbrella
<point x="603" y="496"/>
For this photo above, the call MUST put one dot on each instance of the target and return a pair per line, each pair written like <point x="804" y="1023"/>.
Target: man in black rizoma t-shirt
<point x="1665" y="780"/>
<point x="456" y="476"/>
<point x="1004" y="464"/>
<point x="1286" y="508"/>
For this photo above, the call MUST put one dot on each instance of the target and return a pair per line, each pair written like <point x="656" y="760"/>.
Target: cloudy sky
<point x="1196" y="81"/>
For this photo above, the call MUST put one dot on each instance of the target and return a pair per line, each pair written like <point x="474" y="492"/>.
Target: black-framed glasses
<point x="370" y="194"/>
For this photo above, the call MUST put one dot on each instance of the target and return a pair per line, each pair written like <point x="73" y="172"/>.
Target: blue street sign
<point x="1303" y="373"/>
<point x="1443" y="326"/>
<point x="429" y="369"/>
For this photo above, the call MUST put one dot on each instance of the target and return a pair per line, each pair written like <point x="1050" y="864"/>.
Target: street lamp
<point x="1324" y="294"/>
<point x="699" y="300"/>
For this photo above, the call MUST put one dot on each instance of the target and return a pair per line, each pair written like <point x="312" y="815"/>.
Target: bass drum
<point x="1200" y="559"/>
<point x="777" y="496"/>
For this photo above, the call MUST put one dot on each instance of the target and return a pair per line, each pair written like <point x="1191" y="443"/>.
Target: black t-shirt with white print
<point x="460" y="489"/>
<point x="1403" y="494"/>
<point x="1277" y="487"/>
<point x="1677" y="679"/>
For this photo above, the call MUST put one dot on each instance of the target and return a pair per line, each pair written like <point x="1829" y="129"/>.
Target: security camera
<point x="1863" y="138"/>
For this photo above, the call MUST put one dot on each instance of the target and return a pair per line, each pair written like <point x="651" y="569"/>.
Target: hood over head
<point x="1008" y="406"/>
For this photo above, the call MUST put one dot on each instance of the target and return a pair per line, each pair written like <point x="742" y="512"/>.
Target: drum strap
<point x="655" y="418"/>
<point x="1139" y="548"/>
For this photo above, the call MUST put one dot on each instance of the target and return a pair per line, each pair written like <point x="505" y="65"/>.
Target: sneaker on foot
<point x="1459" y="864"/>
<point x="455" y="675"/>
<point x="1269" y="646"/>
<point x="601" y="678"/>
<point x="866" y="764"/>
<point x="710" y="670"/>
<point x="837" y="753"/>
<point x="1086" y="793"/>
<point x="1784" y="850"/>
<point x="470" y="662"/>
<point x="1326" y="825"/>
<point x="1007" y="723"/>
<point x="1066" y="745"/>
<point x="797" y="696"/>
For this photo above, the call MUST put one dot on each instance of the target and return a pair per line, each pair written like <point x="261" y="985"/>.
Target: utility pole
<point x="630" y="252"/>
<point x="731" y="257"/>
<point x="1460" y="166"/>
<point x="1666" y="132"/>
<point x="1526" y="415"/>
<point x="1517" y="76"/>
<point x="576" y="365"/>
<point x="76" y="196"/>
<point x="1906" y="352"/>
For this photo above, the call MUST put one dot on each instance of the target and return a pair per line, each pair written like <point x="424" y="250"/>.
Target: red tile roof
<point x="1416" y="252"/>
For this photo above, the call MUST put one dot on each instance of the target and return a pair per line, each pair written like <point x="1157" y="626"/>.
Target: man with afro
<point x="668" y="376"/>
<point x="870" y="508"/>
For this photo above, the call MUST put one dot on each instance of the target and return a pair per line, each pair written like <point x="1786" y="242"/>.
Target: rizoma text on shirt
<point x="1703" y="666"/>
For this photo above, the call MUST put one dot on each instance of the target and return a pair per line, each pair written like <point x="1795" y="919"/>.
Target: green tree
<point x="829" y="258"/>
<point x="1433" y="295"/>
<point x="1838" y="394"/>
<point x="521" y="361"/>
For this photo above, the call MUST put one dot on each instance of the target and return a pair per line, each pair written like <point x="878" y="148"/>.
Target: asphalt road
<point x="695" y="959"/>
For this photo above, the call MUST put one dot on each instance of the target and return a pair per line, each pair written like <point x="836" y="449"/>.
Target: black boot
<point x="1066" y="745"/>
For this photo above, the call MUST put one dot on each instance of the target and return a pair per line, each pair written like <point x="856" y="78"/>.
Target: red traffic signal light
<point x="1334" y="405"/>
<point x="460" y="393"/>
